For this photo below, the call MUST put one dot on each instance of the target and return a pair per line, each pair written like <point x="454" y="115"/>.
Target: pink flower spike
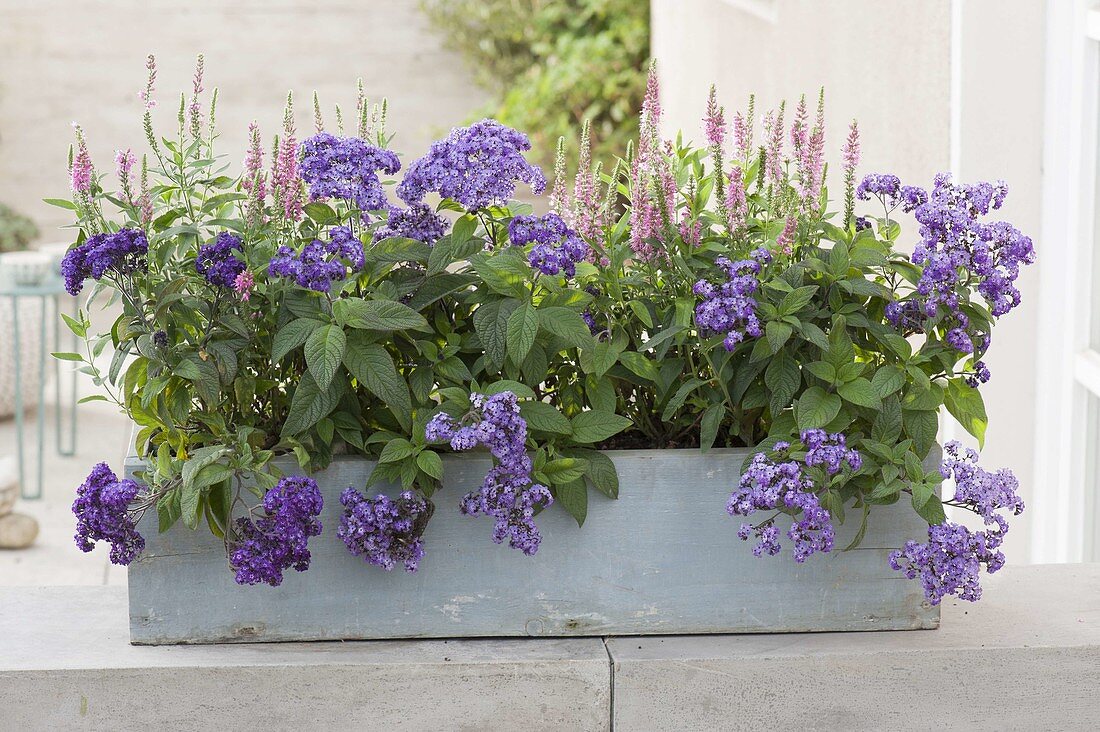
<point x="146" y="94"/>
<point x="82" y="171"/>
<point x="243" y="285"/>
<point x="714" y="123"/>
<point x="851" y="151"/>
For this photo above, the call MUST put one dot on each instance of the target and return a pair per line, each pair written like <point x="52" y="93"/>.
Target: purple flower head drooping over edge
<point x="264" y="547"/>
<point x="507" y="494"/>
<point x="103" y="513"/>
<point x="477" y="166"/>
<point x="385" y="532"/>
<point x="950" y="562"/>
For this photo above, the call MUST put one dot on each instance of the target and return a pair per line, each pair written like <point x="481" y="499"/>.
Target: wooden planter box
<point x="664" y="558"/>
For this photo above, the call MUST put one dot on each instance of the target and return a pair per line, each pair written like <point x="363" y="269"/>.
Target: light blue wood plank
<point x="663" y="558"/>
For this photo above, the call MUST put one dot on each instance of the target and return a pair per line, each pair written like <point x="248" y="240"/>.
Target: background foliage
<point x="552" y="65"/>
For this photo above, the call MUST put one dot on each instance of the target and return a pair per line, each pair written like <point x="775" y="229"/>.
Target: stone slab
<point x="663" y="558"/>
<point x="1025" y="657"/>
<point x="66" y="663"/>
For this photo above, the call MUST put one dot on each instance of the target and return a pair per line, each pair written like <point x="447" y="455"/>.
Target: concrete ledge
<point x="1026" y="657"/>
<point x="66" y="663"/>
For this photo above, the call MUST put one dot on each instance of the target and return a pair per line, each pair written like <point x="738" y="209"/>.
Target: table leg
<point x="61" y="449"/>
<point x="17" y="355"/>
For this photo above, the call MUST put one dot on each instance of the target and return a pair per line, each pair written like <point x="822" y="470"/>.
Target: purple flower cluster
<point x="950" y="562"/>
<point x="477" y="166"/>
<point x="959" y="253"/>
<point x="418" y="221"/>
<point x="730" y="307"/>
<point x="217" y="263"/>
<point x="784" y="486"/>
<point x="346" y="168"/>
<point x="263" y="548"/>
<point x="319" y="264"/>
<point x="830" y="451"/>
<point x="384" y="531"/>
<point x="557" y="248"/>
<point x="507" y="494"/>
<point x="122" y="253"/>
<point x="102" y="510"/>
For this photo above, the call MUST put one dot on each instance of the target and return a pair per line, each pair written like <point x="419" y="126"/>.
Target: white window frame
<point x="1064" y="508"/>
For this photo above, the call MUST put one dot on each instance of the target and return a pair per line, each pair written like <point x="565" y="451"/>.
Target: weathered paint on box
<point x="663" y="558"/>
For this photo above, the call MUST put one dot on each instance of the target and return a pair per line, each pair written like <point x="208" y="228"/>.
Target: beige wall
<point x="890" y="65"/>
<point x="886" y="64"/>
<point x="78" y="60"/>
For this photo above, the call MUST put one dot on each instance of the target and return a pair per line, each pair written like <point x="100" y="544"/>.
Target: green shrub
<point x="551" y="65"/>
<point x="16" y="230"/>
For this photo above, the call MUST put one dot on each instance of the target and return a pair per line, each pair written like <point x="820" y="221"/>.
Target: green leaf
<point x="887" y="425"/>
<point x="778" y="333"/>
<point x="839" y="261"/>
<point x="573" y="497"/>
<point x="681" y="396"/>
<point x="640" y="365"/>
<point x="816" y="408"/>
<point x="600" y="471"/>
<point x="567" y="325"/>
<point x="796" y="299"/>
<point x="887" y="380"/>
<point x="544" y="418"/>
<point x="965" y="404"/>
<point x="384" y="315"/>
<point x="187" y="369"/>
<point x="520" y="390"/>
<point x="641" y="312"/>
<point x="783" y="377"/>
<point x="430" y="463"/>
<point x="597" y="426"/>
<point x="396" y="449"/>
<point x="373" y="367"/>
<point x="92" y="398"/>
<point x="309" y="405"/>
<point x="860" y="392"/>
<point x="324" y="350"/>
<point x="564" y="470"/>
<point x="822" y="370"/>
<point x="522" y="327"/>
<point x="67" y="356"/>
<point x="708" y="428"/>
<point x="491" y="324"/>
<point x="60" y="203"/>
<point x="922" y="427"/>
<point x="292" y="335"/>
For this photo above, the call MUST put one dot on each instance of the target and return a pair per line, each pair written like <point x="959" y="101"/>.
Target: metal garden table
<point x="51" y="289"/>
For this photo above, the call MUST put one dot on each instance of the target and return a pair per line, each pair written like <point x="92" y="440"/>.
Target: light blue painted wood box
<point x="662" y="559"/>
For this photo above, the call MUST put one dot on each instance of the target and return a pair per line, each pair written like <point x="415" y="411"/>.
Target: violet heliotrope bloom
<point x="418" y="222"/>
<point x="507" y="494"/>
<point x="385" y="532"/>
<point x="959" y="252"/>
<point x="120" y="253"/>
<point x="319" y="264"/>
<point x="103" y="513"/>
<point x="346" y="168"/>
<point x="730" y="307"/>
<point x="787" y="485"/>
<point x="264" y="547"/>
<point x="950" y="562"/>
<point x="217" y="263"/>
<point x="557" y="248"/>
<point x="477" y="166"/>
